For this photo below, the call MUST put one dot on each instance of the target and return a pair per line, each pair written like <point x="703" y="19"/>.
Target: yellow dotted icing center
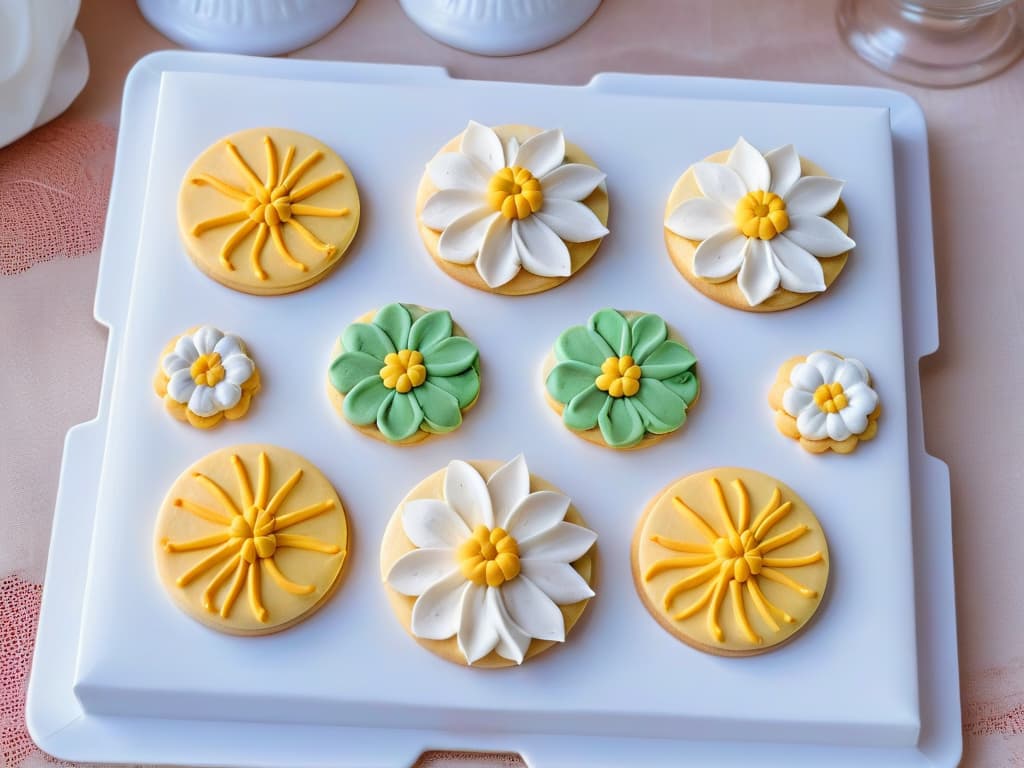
<point x="489" y="557"/>
<point x="207" y="370"/>
<point x="515" y="192"/>
<point x="734" y="561"/>
<point x="620" y="377"/>
<point x="761" y="214"/>
<point x="403" y="370"/>
<point x="830" y="398"/>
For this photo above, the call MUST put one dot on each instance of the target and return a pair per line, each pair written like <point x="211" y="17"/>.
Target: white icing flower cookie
<point x="513" y="209"/>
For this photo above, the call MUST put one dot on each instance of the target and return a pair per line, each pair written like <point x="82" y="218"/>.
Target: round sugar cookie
<point x="471" y="194"/>
<point x="268" y="211"/>
<point x="730" y="561"/>
<point x="486" y="564"/>
<point x="251" y="539"/>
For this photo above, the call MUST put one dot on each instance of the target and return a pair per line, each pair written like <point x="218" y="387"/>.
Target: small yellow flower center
<point x="830" y="397"/>
<point x="740" y="555"/>
<point x="489" y="557"/>
<point x="403" y="370"/>
<point x="761" y="214"/>
<point x="270" y="209"/>
<point x="515" y="192"/>
<point x="256" y="527"/>
<point x="620" y="377"/>
<point x="207" y="371"/>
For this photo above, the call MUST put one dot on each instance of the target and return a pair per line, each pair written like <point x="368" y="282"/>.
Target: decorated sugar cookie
<point x="825" y="402"/>
<point x="251" y="539"/>
<point x="730" y="561"/>
<point x="512" y="209"/>
<point x="206" y="376"/>
<point x="761" y="232"/>
<point x="404" y="373"/>
<point x="486" y="564"/>
<point x="268" y="210"/>
<point x="621" y="380"/>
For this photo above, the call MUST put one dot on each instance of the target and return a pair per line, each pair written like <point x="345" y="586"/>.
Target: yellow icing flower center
<point x="515" y="192"/>
<point x="489" y="557"/>
<point x="740" y="555"/>
<point x="255" y="527"/>
<point x="403" y="370"/>
<point x="271" y="208"/>
<point x="207" y="370"/>
<point x="831" y="398"/>
<point x="620" y="377"/>
<point x="761" y="214"/>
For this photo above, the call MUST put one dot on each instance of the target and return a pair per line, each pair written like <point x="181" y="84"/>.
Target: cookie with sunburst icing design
<point x="730" y="561"/>
<point x="251" y="539"/>
<point x="268" y="210"/>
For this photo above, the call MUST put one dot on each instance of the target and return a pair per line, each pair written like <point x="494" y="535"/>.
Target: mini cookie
<point x="487" y="573"/>
<point x="748" y="230"/>
<point x="512" y="218"/>
<point x="620" y="381"/>
<point x="404" y="373"/>
<point x="825" y="402"/>
<point x="270" y="233"/>
<point x="206" y="376"/>
<point x="721" y="578"/>
<point x="281" y="541"/>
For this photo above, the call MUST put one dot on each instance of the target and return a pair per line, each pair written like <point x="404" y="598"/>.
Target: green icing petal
<point x="441" y="412"/>
<point x="670" y="359"/>
<point x="568" y="379"/>
<point x="365" y="399"/>
<point x="685" y="385"/>
<point x="395" y="321"/>
<point x="464" y="387"/>
<point x="350" y="368"/>
<point x="648" y="332"/>
<point x="450" y="357"/>
<point x="364" y="337"/>
<point x="620" y="423"/>
<point x="430" y="329"/>
<point x="399" y="417"/>
<point x="613" y="327"/>
<point x="582" y="411"/>
<point x="659" y="407"/>
<point x="583" y="345"/>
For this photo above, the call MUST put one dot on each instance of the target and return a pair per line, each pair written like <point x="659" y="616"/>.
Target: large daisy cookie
<point x="486" y="564"/>
<point x="825" y="402"/>
<point x="512" y="209"/>
<point x="762" y="232"/>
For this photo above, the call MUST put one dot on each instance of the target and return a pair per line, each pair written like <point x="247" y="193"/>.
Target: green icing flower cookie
<point x="623" y="377"/>
<point x="405" y="375"/>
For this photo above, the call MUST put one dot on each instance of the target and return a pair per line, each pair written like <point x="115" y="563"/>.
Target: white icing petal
<point x="794" y="400"/>
<point x="466" y="491"/>
<point x="700" y="218"/>
<point x="835" y="426"/>
<point x="817" y="235"/>
<point x="573" y="222"/>
<point x="720" y="256"/>
<point x="181" y="386"/>
<point x="563" y="543"/>
<point x="855" y="419"/>
<point x="559" y="581"/>
<point x="511" y="150"/>
<point x="750" y="165"/>
<point x="719" y="182"/>
<point x="806" y="377"/>
<point x="185" y="348"/>
<point x="758" y="278"/>
<point x="238" y="369"/>
<point x="433" y="523"/>
<point x="813" y="196"/>
<point x="460" y="241"/>
<point x="826" y="363"/>
<point x="454" y="170"/>
<point x="537" y="513"/>
<point x="226" y="395"/>
<point x="202" y="402"/>
<point x="799" y="271"/>
<point x="477" y="634"/>
<point x="498" y="260"/>
<point x="228" y="346"/>
<point x="512" y="640"/>
<point x="483" y="145"/>
<point x="509" y="485"/>
<point x="542" y="153"/>
<point x="437" y="612"/>
<point x="810" y="423"/>
<point x="206" y="338"/>
<point x="850" y="372"/>
<point x="862" y="397"/>
<point x="784" y="166"/>
<point x="173" y="363"/>
<point x="417" y="570"/>
<point x="444" y="207"/>
<point x="572" y="181"/>
<point x="540" y="250"/>
<point x="532" y="610"/>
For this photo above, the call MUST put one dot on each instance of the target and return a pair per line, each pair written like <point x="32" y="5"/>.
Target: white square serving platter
<point x="121" y="675"/>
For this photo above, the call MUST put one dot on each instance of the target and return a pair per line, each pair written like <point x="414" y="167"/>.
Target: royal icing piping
<point x="207" y="371"/>
<point x="404" y="375"/>
<point x="506" y="207"/>
<point x="760" y="220"/>
<point x="492" y="562"/>
<point x="830" y="397"/>
<point x="267" y="205"/>
<point x="626" y="378"/>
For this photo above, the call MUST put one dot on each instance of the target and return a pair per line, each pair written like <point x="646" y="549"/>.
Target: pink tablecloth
<point x="53" y="193"/>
